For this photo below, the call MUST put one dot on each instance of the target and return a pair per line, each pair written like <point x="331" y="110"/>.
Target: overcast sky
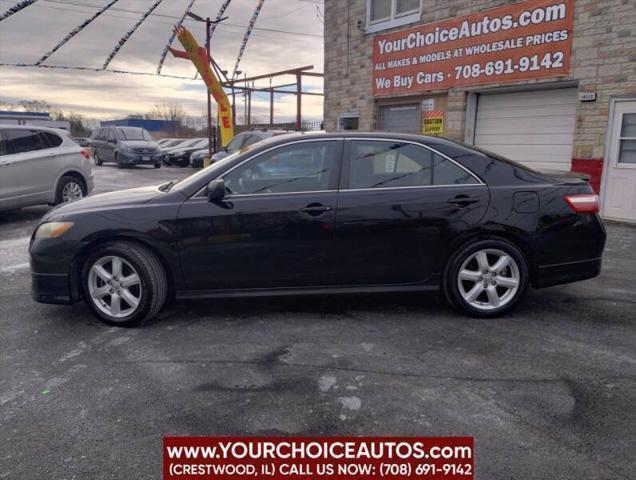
<point x="28" y="34"/>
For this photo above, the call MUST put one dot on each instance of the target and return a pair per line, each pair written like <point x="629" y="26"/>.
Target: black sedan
<point x="324" y="213"/>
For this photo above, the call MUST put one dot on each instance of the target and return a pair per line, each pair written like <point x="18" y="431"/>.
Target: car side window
<point x="50" y="140"/>
<point x="300" y="167"/>
<point x="22" y="140"/>
<point x="382" y="164"/>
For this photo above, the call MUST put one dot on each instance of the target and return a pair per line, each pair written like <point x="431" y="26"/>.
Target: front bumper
<point x="181" y="160"/>
<point x="51" y="288"/>
<point x="132" y="158"/>
<point x="51" y="263"/>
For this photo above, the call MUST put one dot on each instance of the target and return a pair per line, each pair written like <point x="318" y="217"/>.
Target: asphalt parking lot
<point x="547" y="392"/>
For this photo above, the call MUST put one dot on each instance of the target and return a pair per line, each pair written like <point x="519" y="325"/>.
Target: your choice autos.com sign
<point x="505" y="44"/>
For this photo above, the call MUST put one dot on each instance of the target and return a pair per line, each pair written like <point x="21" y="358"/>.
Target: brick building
<point x="550" y="83"/>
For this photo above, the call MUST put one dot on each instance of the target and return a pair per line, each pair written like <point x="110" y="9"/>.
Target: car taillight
<point x="583" y="203"/>
<point x="86" y="153"/>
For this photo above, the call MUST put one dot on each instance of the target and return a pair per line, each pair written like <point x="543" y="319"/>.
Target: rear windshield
<point x="133" y="133"/>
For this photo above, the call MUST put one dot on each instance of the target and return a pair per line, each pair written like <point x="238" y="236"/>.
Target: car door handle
<point x="462" y="200"/>
<point x="315" y="209"/>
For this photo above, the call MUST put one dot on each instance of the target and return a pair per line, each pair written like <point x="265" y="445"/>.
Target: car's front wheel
<point x="124" y="283"/>
<point x="486" y="278"/>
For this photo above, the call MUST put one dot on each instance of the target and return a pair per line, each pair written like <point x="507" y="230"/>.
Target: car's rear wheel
<point x="124" y="284"/>
<point x="69" y="188"/>
<point x="98" y="161"/>
<point x="157" y="165"/>
<point x="486" y="278"/>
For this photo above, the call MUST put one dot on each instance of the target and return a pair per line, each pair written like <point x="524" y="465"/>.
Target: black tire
<point x="153" y="282"/>
<point x="119" y="165"/>
<point x="98" y="161"/>
<point x="64" y="181"/>
<point x="157" y="165"/>
<point x="451" y="287"/>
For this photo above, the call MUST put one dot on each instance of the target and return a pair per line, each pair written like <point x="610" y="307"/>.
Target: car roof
<point x="35" y="127"/>
<point x="426" y="139"/>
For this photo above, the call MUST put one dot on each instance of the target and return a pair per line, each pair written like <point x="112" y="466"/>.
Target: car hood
<point x="200" y="153"/>
<point x="220" y="154"/>
<point x="105" y="201"/>
<point x="140" y="143"/>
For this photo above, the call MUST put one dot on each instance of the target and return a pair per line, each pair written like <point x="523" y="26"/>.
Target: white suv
<point x="41" y="165"/>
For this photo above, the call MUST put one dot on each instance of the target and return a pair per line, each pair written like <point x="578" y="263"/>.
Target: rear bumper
<point x="50" y="288"/>
<point x="557" y="274"/>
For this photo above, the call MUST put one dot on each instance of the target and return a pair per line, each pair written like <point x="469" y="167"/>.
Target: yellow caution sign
<point x="433" y="123"/>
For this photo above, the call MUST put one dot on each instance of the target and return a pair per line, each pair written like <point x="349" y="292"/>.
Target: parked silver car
<point x="41" y="165"/>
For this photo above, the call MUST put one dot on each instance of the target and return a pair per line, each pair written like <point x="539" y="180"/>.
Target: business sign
<point x="501" y="45"/>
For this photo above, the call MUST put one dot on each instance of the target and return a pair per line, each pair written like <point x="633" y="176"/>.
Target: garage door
<point x="535" y="128"/>
<point x="400" y="118"/>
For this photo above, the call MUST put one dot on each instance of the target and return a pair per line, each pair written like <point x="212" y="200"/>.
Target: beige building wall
<point x="603" y="61"/>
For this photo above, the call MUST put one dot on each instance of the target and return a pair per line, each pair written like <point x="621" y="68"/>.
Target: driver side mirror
<point x="215" y="190"/>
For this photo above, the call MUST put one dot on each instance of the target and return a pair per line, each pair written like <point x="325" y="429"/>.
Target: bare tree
<point x="7" y="106"/>
<point x="34" y="105"/>
<point x="167" y="111"/>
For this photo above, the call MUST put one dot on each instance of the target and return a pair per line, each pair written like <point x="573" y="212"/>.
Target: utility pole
<point x="208" y="24"/>
<point x="208" y="35"/>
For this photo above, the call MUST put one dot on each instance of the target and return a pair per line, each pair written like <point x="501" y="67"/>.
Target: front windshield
<point x="235" y="143"/>
<point x="189" y="143"/>
<point x="133" y="133"/>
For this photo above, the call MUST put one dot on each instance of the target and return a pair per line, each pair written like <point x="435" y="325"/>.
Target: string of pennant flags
<point x="17" y="8"/>
<point x="40" y="63"/>
<point x="248" y="32"/>
<point x="129" y="33"/>
<point x="75" y="31"/>
<point x="92" y="69"/>
<point x="172" y="37"/>
<point x="219" y="15"/>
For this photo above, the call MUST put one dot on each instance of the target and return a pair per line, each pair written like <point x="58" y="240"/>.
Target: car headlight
<point x="52" y="229"/>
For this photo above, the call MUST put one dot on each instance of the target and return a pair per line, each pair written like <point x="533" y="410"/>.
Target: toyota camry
<point x="325" y="213"/>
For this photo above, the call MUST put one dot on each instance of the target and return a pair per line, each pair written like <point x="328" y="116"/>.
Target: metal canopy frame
<point x="242" y="84"/>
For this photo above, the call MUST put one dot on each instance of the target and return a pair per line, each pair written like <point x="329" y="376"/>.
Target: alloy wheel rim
<point x="488" y="279"/>
<point x="72" y="191"/>
<point x="114" y="286"/>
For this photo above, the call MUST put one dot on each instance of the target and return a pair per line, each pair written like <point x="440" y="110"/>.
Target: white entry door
<point x="619" y="198"/>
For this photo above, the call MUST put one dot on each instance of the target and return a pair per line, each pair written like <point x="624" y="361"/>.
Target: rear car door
<point x="275" y="227"/>
<point x="23" y="180"/>
<point x="400" y="204"/>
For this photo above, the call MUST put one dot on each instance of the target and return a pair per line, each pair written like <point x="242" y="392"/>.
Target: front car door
<point x="275" y="227"/>
<point x="400" y="204"/>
